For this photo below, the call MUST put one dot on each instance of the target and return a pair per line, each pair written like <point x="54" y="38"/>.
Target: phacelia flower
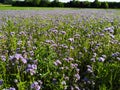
<point x="11" y="88"/>
<point x="101" y="59"/>
<point x="35" y="86"/>
<point x="71" y="39"/>
<point x="3" y="58"/>
<point x="57" y="62"/>
<point x="1" y="82"/>
<point x="18" y="57"/>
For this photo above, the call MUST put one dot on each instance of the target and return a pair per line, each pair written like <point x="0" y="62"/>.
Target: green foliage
<point x="44" y="3"/>
<point x="57" y="3"/>
<point x="105" y="72"/>
<point x="104" y="5"/>
<point x="96" y="4"/>
<point x="8" y="1"/>
<point x="36" y="2"/>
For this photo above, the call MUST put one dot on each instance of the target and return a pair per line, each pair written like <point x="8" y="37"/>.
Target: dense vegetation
<point x="56" y="3"/>
<point x="60" y="50"/>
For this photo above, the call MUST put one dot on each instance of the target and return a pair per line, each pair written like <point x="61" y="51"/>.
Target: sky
<point x="91" y="0"/>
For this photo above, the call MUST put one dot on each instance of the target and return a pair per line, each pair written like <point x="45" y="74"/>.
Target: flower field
<point x="60" y="49"/>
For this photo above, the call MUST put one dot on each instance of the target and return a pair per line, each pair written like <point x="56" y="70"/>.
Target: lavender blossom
<point x="77" y="88"/>
<point x="3" y="58"/>
<point x="71" y="39"/>
<point x="77" y="76"/>
<point x="57" y="62"/>
<point x="31" y="69"/>
<point x="63" y="83"/>
<point x="18" y="57"/>
<point x="35" y="86"/>
<point x="12" y="33"/>
<point x="63" y="32"/>
<point x="101" y="59"/>
<point x="1" y="82"/>
<point x="11" y="88"/>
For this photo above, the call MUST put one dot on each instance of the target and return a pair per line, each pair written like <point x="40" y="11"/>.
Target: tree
<point x="28" y="0"/>
<point x="104" y="5"/>
<point x="8" y="1"/>
<point x="96" y="4"/>
<point x="36" y="2"/>
<point x="44" y="3"/>
<point x="56" y="0"/>
<point x="86" y="4"/>
<point x="56" y="3"/>
<point x="72" y="3"/>
<point x="2" y="1"/>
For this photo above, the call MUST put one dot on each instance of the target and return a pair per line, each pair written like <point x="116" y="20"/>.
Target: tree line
<point x="57" y="3"/>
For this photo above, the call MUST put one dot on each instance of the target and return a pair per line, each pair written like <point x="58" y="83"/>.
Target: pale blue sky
<point x="90" y="0"/>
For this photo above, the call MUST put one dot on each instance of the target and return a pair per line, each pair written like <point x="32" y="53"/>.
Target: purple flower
<point x="85" y="79"/>
<point x="34" y="66"/>
<point x="55" y="31"/>
<point x="118" y="58"/>
<point x="112" y="36"/>
<point x="54" y="45"/>
<point x="3" y="58"/>
<point x="101" y="59"/>
<point x="77" y="76"/>
<point x="11" y="88"/>
<point x="24" y="60"/>
<point x="71" y="88"/>
<point x="68" y="59"/>
<point x="57" y="62"/>
<point x="77" y="88"/>
<point x="115" y="54"/>
<point x="54" y="80"/>
<point x="71" y="39"/>
<point x="63" y="83"/>
<point x="92" y="59"/>
<point x="104" y="56"/>
<point x="22" y="33"/>
<point x="31" y="53"/>
<point x="35" y="86"/>
<point x="64" y="46"/>
<point x="31" y="69"/>
<point x="74" y="65"/>
<point x="72" y="47"/>
<point x="63" y="32"/>
<point x="89" y="69"/>
<point x="50" y="41"/>
<point x="1" y="82"/>
<point x="19" y="42"/>
<point x="110" y="29"/>
<point x="102" y="34"/>
<point x="76" y="35"/>
<point x="18" y="57"/>
<point x="12" y="33"/>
